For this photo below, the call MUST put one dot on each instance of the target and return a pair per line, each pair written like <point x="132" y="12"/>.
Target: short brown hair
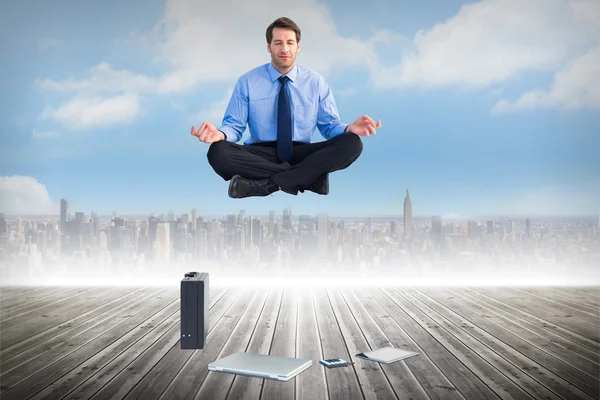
<point x="283" y="22"/>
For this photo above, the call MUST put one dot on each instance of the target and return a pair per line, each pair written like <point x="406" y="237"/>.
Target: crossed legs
<point x="311" y="162"/>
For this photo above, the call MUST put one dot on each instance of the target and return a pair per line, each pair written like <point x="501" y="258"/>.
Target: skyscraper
<point x="407" y="216"/>
<point x="256" y="232"/>
<point x="194" y="219"/>
<point x="436" y="230"/>
<point x="472" y="229"/>
<point x="322" y="235"/>
<point x="64" y="210"/>
<point x="287" y="219"/>
<point x="3" y="227"/>
<point x="162" y="245"/>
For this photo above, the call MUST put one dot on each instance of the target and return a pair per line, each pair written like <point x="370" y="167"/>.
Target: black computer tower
<point x="194" y="310"/>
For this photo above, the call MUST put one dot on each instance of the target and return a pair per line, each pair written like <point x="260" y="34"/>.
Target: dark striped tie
<point x="284" y="123"/>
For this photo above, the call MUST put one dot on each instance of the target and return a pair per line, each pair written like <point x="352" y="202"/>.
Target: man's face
<point x="283" y="49"/>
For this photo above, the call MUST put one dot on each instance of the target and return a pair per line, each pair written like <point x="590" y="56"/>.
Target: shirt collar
<point x="274" y="74"/>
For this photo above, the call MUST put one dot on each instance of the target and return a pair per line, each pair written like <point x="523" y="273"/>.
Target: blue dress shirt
<point x="254" y="103"/>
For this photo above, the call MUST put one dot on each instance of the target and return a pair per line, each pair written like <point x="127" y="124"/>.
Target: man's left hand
<point x="364" y="126"/>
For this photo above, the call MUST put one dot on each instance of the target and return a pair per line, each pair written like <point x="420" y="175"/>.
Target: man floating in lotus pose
<point x="282" y="103"/>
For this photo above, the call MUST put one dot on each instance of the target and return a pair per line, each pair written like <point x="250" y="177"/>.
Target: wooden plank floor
<point x="473" y="343"/>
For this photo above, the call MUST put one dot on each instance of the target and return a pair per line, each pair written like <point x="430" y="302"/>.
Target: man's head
<point x="283" y="42"/>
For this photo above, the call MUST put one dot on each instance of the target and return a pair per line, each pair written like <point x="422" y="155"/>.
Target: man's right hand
<point x="207" y="133"/>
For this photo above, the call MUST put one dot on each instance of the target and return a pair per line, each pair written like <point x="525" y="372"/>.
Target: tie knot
<point x="283" y="79"/>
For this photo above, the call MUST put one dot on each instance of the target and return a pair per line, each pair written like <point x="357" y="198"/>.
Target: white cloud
<point x="44" y="134"/>
<point x="485" y="43"/>
<point x="25" y="195"/>
<point x="197" y="48"/>
<point x="103" y="79"/>
<point x="81" y="113"/>
<point x="575" y="87"/>
<point x="48" y="43"/>
<point x="214" y="114"/>
<point x="492" y="41"/>
<point x="200" y="48"/>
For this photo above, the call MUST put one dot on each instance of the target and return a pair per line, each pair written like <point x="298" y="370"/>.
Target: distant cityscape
<point x="289" y="245"/>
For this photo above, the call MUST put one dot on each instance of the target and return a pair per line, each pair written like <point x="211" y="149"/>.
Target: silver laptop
<point x="261" y="366"/>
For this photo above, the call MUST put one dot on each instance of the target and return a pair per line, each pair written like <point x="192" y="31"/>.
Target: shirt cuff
<point x="230" y="135"/>
<point x="338" y="130"/>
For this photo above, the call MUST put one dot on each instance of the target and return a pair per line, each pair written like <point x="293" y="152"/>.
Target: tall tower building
<point x="436" y="230"/>
<point x="287" y="219"/>
<point x="322" y="235"/>
<point x="3" y="226"/>
<point x="407" y="216"/>
<point x="95" y="225"/>
<point x="162" y="245"/>
<point x="194" y="219"/>
<point x="64" y="211"/>
<point x="490" y="227"/>
<point x="272" y="222"/>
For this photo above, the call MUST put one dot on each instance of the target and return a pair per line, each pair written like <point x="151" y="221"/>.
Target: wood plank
<point x="370" y="376"/>
<point x="562" y="300"/>
<point x="217" y="384"/>
<point x="556" y="359"/>
<point x="122" y="383"/>
<point x="154" y="383"/>
<point x="440" y="373"/>
<point x="486" y="374"/>
<point x="57" y="316"/>
<point x="67" y="298"/>
<point x="31" y="297"/>
<point x="526" y="383"/>
<point x="28" y="379"/>
<point x="21" y="354"/>
<point x="548" y="338"/>
<point x="573" y="295"/>
<point x="560" y="306"/>
<point x="310" y="384"/>
<point x="53" y="321"/>
<point x="536" y="320"/>
<point x="8" y="292"/>
<point x="591" y="293"/>
<point x="73" y="323"/>
<point x="4" y="290"/>
<point x="192" y="374"/>
<point x="284" y="345"/>
<point x="244" y="387"/>
<point x="547" y="312"/>
<point x="95" y="371"/>
<point x="342" y="383"/>
<point x="505" y="344"/>
<point x="120" y="354"/>
<point x="398" y="376"/>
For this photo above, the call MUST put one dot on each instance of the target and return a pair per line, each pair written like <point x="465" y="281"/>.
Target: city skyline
<point x="285" y="247"/>
<point x="406" y="215"/>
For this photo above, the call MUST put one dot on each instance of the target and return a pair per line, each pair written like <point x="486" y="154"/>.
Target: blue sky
<point x="483" y="111"/>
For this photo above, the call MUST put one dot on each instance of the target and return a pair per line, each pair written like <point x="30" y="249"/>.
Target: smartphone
<point x="335" y="362"/>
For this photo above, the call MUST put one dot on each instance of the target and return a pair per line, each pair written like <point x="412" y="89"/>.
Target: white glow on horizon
<point x="316" y="281"/>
